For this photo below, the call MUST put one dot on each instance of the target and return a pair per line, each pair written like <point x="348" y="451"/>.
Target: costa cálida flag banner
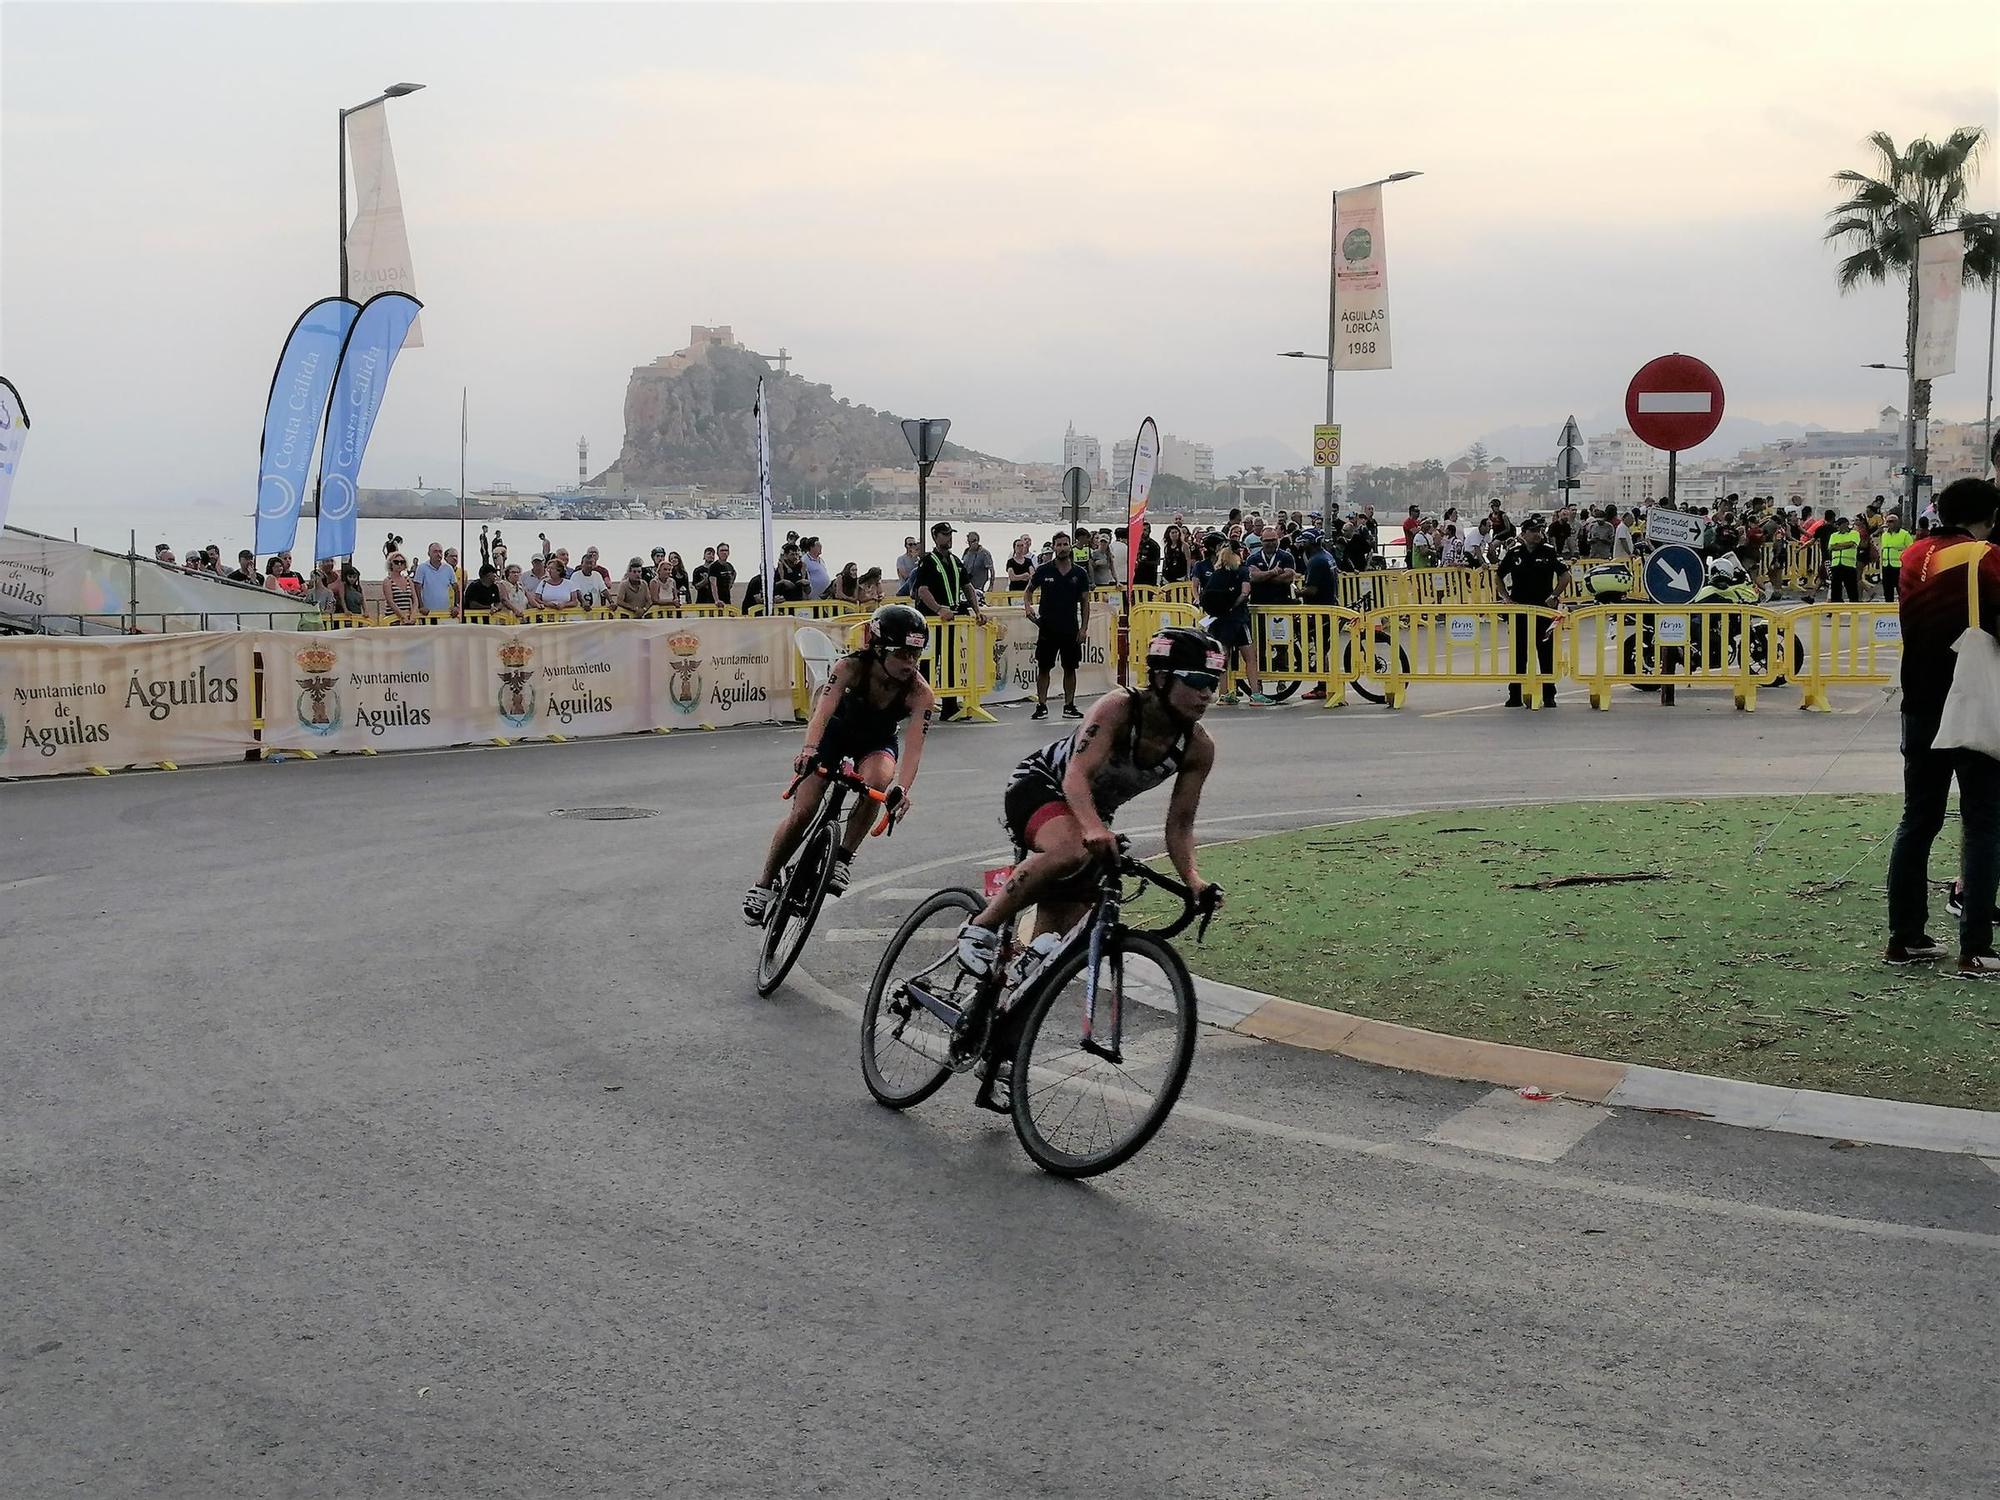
<point x="378" y="243"/>
<point x="1145" y="463"/>
<point x="363" y="375"/>
<point x="764" y="488"/>
<point x="1360" y="282"/>
<point x="292" y="416"/>
<point x="1940" y="272"/>
<point x="13" y="437"/>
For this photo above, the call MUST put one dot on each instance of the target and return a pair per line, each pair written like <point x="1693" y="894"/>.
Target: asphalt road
<point x="366" y="1131"/>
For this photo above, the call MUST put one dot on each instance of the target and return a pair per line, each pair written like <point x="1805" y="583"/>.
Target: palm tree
<point x="1912" y="192"/>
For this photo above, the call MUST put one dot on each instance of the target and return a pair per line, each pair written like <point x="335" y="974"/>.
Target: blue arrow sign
<point x="1674" y="575"/>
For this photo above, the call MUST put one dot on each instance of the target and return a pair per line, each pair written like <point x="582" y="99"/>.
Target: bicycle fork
<point x="1114" y="1019"/>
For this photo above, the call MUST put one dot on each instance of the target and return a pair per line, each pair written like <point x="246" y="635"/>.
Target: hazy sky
<point x="1009" y="215"/>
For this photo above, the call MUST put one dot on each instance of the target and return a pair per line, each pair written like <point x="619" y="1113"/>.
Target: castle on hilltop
<point x="700" y="342"/>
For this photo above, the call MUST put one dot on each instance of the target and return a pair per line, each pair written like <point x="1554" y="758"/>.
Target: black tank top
<point x="860" y="720"/>
<point x="1122" y="778"/>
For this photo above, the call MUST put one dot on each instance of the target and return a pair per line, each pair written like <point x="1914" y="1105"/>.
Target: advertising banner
<point x="1014" y="657"/>
<point x="358" y="385"/>
<point x="43" y="576"/>
<point x="1145" y="464"/>
<point x="382" y="689"/>
<point x="378" y="244"/>
<point x="1360" y="282"/>
<point x="13" y="437"/>
<point x="722" y="671"/>
<point x="292" y="415"/>
<point x="589" y="678"/>
<point x="1940" y="273"/>
<point x="68" y="704"/>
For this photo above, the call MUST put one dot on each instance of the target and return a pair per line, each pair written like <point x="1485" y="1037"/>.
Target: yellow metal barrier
<point x="1737" y="646"/>
<point x="1415" y="588"/>
<point x="1462" y="643"/>
<point x="815" y="609"/>
<point x="1303" y="643"/>
<point x="1843" y="645"/>
<point x="958" y="663"/>
<point x="1148" y="620"/>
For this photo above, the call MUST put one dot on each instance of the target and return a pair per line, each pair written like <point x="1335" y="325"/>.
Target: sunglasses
<point x="907" y="653"/>
<point x="1201" y="682"/>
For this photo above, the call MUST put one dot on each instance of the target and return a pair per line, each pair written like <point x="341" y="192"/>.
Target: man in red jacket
<point x="1936" y="608"/>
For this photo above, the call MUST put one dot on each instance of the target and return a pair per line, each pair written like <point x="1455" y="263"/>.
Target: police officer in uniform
<point x="1532" y="572"/>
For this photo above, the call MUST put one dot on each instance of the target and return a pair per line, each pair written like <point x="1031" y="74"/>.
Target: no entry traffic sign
<point x="1674" y="402"/>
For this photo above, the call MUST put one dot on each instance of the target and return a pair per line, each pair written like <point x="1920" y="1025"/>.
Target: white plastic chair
<point x="819" y="652"/>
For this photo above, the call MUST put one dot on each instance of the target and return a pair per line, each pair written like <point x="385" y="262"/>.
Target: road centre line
<point x="1449" y="1159"/>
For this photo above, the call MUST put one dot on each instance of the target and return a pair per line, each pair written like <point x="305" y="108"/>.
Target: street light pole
<point x="393" y="91"/>
<point x="1333" y="312"/>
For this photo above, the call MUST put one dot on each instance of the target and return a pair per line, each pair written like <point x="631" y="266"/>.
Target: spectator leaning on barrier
<point x="818" y="575"/>
<point x="1935" y="609"/>
<point x="1533" y="573"/>
<point x="868" y="593"/>
<point x="513" y="598"/>
<point x="907" y="565"/>
<point x="721" y="580"/>
<point x="788" y="579"/>
<point x="634" y="595"/>
<point x="978" y="563"/>
<point x="483" y="593"/>
<point x="245" y="570"/>
<point x="399" y="592"/>
<point x="558" y="589"/>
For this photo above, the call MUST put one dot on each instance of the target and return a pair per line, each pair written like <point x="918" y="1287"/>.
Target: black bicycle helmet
<point x="1182" y="648"/>
<point x="894" y="626"/>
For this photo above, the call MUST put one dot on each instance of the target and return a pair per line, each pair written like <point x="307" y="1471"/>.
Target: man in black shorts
<point x="1062" y="590"/>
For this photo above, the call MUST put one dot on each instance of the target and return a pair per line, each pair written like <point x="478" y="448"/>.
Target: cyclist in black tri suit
<point x="1061" y="799"/>
<point x="860" y="711"/>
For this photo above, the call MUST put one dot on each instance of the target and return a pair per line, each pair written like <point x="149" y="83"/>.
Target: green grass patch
<point x="1763" y="967"/>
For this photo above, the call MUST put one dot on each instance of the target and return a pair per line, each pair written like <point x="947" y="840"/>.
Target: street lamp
<point x="393" y="91"/>
<point x="1333" y="310"/>
<point x="925" y="435"/>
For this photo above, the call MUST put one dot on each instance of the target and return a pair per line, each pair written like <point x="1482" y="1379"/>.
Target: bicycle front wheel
<point x="1079" y="1111"/>
<point x="903" y="1045"/>
<point x="790" y="923"/>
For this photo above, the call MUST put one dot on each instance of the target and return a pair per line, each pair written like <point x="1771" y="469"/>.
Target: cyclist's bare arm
<point x="1186" y="802"/>
<point x="837" y="682"/>
<point x="1094" y="739"/>
<point x="923" y="709"/>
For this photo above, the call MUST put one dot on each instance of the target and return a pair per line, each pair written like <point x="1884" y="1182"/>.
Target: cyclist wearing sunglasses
<point x="860" y="712"/>
<point x="1061" y="798"/>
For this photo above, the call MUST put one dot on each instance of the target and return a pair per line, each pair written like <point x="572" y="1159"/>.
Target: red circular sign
<point x="1674" y="402"/>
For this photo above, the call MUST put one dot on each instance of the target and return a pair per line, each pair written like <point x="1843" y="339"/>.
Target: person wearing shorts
<point x="1057" y="601"/>
<point x="867" y="699"/>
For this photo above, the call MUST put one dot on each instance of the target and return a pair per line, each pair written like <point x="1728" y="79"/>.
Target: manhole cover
<point x="605" y="814"/>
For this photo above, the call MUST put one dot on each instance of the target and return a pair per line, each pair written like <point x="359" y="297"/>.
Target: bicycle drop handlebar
<point x="889" y="800"/>
<point x="1205" y="907"/>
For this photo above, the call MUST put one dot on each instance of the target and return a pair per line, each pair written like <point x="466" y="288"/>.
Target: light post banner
<point x="1360" y="281"/>
<point x="292" y="415"/>
<point x="13" y="437"/>
<point x="366" y="358"/>
<point x="70" y="704"/>
<point x="1940" y="273"/>
<point x="378" y="244"/>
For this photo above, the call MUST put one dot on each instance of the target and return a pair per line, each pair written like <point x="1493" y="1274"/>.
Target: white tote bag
<point x="1972" y="709"/>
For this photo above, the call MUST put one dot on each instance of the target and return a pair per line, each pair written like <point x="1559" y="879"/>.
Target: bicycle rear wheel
<point x="1379" y="663"/>
<point x="1079" y="1113"/>
<point x="903" y="1046"/>
<point x="800" y="896"/>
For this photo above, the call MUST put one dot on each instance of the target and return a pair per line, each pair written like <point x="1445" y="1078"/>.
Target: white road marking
<point x="1991" y="1161"/>
<point x="1446" y="713"/>
<point x="902" y="893"/>
<point x="1443" y="1159"/>
<point x="858" y="934"/>
<point x="15" y="885"/>
<point x="1504" y="1124"/>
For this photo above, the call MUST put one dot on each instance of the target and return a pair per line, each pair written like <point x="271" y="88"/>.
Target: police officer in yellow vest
<point x="1843" y="560"/>
<point x="1893" y="541"/>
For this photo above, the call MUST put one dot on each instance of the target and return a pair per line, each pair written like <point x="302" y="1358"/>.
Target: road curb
<point x="1592" y="1080"/>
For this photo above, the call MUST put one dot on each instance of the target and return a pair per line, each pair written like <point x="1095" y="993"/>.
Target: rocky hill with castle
<point x="688" y="420"/>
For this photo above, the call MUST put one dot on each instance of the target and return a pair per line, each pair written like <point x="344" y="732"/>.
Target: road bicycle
<point x="802" y="887"/>
<point x="1087" y="1047"/>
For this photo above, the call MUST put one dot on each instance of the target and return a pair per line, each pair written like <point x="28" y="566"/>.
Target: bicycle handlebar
<point x="1205" y="907"/>
<point x="890" y="800"/>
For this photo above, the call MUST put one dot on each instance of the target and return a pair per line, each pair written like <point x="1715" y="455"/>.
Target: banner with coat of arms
<point x="1014" y="657"/>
